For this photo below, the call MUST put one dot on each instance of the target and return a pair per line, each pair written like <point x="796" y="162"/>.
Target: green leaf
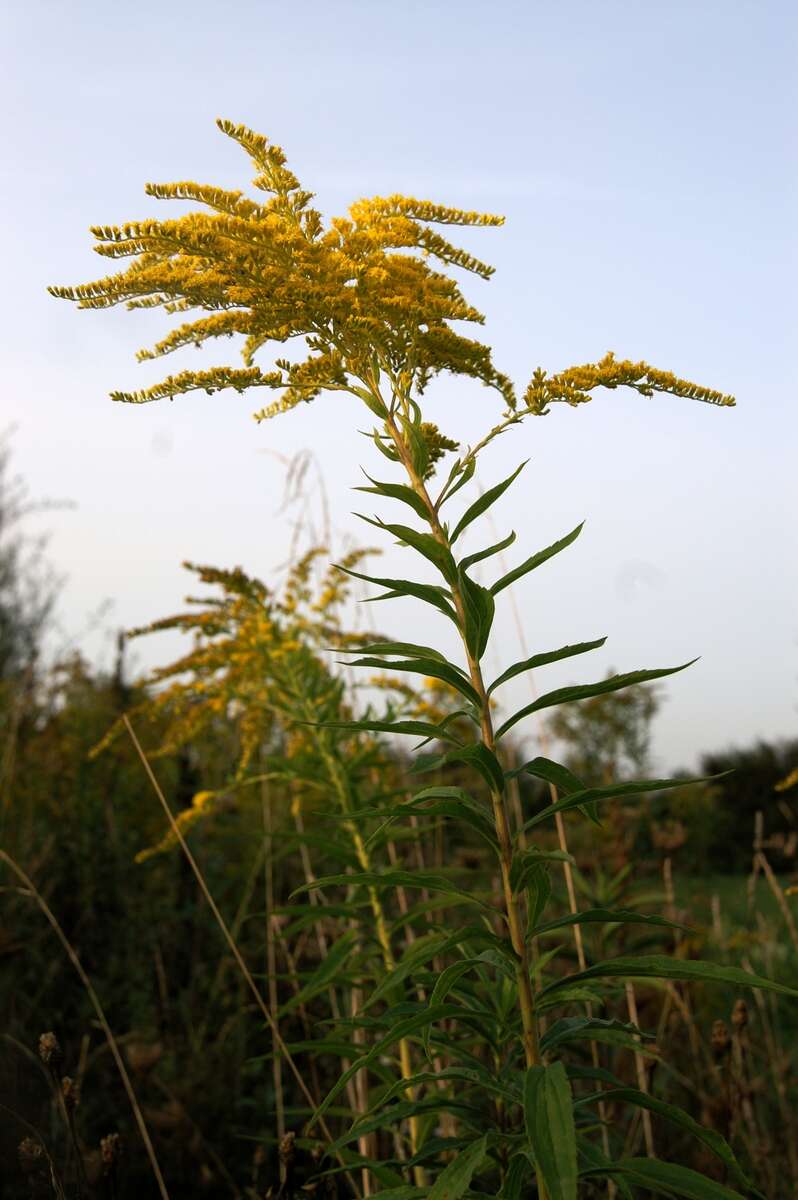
<point x="411" y="428"/>
<point x="476" y="755"/>
<point x="459" y="476"/>
<point x="538" y="886"/>
<point x="395" y="649"/>
<point x="392" y="879"/>
<point x="515" y="1178"/>
<point x="418" y="953"/>
<point x="677" y="1116"/>
<point x="660" y="966"/>
<point x="406" y="1192"/>
<point x="425" y="729"/>
<point x="457" y="803"/>
<point x="423" y="543"/>
<point x="559" y="777"/>
<point x="458" y="812"/>
<point x="666" y="1179"/>
<point x="525" y="863"/>
<point x="606" y="916"/>
<point x="435" y="596"/>
<point x="479" y="609"/>
<point x="384" y="447"/>
<point x="431" y="667"/>
<point x="594" y="1029"/>
<point x="455" y="1179"/>
<point x="594" y="1157"/>
<point x="634" y="787"/>
<point x="448" y="979"/>
<point x="570" y="995"/>
<point x="551" y="772"/>
<point x="422" y="950"/>
<point x="472" y="559"/>
<point x="373" y="402"/>
<point x="399" y="1112"/>
<point x="400" y="1030"/>
<point x="536" y="560"/>
<point x="542" y="660"/>
<point x="548" y="1111"/>
<point x="396" y="491"/>
<point x="478" y="1075"/>
<point x="484" y="502"/>
<point x="585" y="691"/>
<point x="450" y="976"/>
<point x="330" y="965"/>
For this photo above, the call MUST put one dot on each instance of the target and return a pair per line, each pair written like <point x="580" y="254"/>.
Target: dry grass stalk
<point x="271" y="960"/>
<point x="112" y="1042"/>
<point x="640" y="1067"/>
<point x="246" y="973"/>
<point x="762" y="862"/>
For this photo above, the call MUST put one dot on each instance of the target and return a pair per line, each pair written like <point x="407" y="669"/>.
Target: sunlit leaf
<point x="536" y="560"/>
<point x="548" y="1112"/>
<point x="586" y="691"/>
<point x="484" y="502"/>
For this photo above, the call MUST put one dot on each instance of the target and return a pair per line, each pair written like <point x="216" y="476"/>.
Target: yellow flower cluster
<point x="257" y="658"/>
<point x="575" y="384"/>
<point x="362" y="293"/>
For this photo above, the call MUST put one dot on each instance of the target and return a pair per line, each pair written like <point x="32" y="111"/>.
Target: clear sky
<point x="644" y="155"/>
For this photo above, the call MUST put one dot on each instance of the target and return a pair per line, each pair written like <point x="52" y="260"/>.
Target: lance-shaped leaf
<point x="606" y="916"/>
<point x="590" y="1154"/>
<point x="479" y="607"/>
<point x="549" y="1116"/>
<point x="454" y="1180"/>
<point x="423" y="543"/>
<point x="665" y="1179"/>
<point x="423" y="950"/>
<point x="477" y="1075"/>
<point x="459" y="476"/>
<point x="438" y="597"/>
<point x="426" y="729"/>
<point x="331" y="965"/>
<point x="515" y="1178"/>
<point x="400" y="1030"/>
<point x="537" y="880"/>
<point x="399" y="1112"/>
<point x="480" y="555"/>
<point x="536" y="560"/>
<point x="456" y="803"/>
<point x="551" y="772"/>
<point x="395" y="878"/>
<point x="446" y="981"/>
<point x="406" y="1192"/>
<point x="595" y="1029"/>
<point x="396" y="491"/>
<point x="677" y="1116"/>
<point x="483" y="503"/>
<point x="526" y="862"/>
<point x="634" y="787"/>
<point x="476" y="755"/>
<point x="431" y="667"/>
<point x="392" y="649"/>
<point x="542" y="660"/>
<point x="586" y="691"/>
<point x="660" y="966"/>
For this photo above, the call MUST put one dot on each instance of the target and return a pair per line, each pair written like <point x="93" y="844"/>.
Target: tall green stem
<point x="513" y="908"/>
<point x="342" y="789"/>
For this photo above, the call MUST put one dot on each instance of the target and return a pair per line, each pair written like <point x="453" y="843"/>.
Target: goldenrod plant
<point x="473" y="1039"/>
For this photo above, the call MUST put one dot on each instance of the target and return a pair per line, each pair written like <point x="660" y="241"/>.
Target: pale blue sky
<point x="644" y="155"/>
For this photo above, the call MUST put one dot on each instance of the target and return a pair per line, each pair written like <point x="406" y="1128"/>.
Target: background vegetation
<point x="460" y="991"/>
<point x="220" y="1107"/>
